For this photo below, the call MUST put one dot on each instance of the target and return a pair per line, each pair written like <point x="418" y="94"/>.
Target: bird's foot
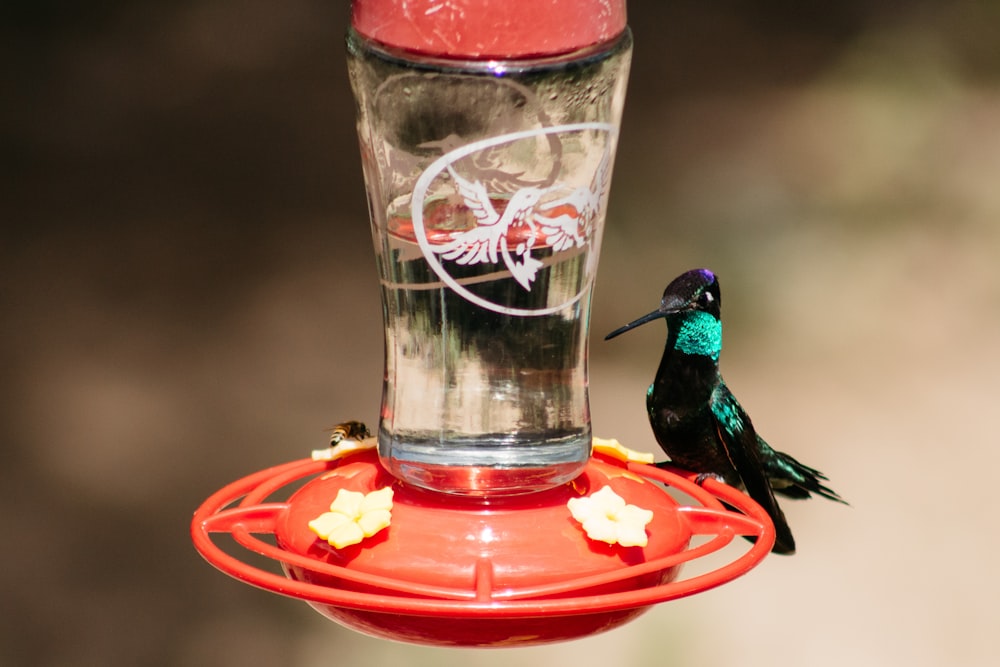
<point x="700" y="479"/>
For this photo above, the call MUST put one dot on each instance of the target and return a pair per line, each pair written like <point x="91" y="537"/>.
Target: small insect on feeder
<point x="484" y="512"/>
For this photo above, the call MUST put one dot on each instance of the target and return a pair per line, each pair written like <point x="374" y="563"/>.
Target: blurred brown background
<point x="188" y="295"/>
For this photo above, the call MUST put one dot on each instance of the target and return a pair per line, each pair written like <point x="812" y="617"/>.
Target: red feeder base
<point x="450" y="571"/>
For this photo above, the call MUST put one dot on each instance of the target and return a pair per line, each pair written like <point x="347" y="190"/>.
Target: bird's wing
<point x="562" y="231"/>
<point x="479" y="244"/>
<point x="790" y="478"/>
<point x="739" y="441"/>
<point x="477" y="199"/>
<point x="473" y="246"/>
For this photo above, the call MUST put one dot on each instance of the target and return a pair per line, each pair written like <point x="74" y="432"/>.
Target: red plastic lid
<point x="489" y="28"/>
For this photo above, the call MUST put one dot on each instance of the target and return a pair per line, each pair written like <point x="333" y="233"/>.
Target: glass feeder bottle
<point x="487" y="172"/>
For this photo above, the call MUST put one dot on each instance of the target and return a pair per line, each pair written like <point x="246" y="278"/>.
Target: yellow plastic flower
<point x="607" y="518"/>
<point x="617" y="450"/>
<point x="353" y="516"/>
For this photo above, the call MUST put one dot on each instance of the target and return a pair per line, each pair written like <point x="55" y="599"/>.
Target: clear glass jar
<point x="487" y="186"/>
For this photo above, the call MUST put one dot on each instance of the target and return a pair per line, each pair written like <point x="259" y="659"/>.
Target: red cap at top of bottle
<point x="480" y="29"/>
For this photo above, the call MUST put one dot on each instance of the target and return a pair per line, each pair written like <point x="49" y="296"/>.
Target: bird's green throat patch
<point x="699" y="333"/>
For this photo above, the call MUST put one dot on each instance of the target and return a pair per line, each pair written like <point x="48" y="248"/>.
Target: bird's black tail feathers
<point x="792" y="479"/>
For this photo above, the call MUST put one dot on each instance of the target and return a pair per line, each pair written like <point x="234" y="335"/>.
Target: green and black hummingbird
<point x="697" y="420"/>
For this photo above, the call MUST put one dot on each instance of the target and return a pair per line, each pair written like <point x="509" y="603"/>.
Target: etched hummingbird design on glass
<point x="530" y="217"/>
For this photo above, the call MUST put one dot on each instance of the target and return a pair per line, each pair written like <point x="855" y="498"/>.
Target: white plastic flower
<point x="614" y="449"/>
<point x="607" y="518"/>
<point x="353" y="516"/>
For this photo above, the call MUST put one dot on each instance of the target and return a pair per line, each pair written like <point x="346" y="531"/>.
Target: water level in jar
<point x="477" y="400"/>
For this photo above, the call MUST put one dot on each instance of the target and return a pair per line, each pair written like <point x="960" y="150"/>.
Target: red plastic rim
<point x="489" y="28"/>
<point x="483" y="614"/>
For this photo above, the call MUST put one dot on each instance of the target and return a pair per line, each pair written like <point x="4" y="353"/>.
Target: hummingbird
<point x="695" y="417"/>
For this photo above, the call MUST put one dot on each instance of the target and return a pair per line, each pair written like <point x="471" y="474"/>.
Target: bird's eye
<point x="707" y="298"/>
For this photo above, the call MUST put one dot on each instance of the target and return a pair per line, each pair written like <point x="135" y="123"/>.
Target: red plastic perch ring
<point x="453" y="572"/>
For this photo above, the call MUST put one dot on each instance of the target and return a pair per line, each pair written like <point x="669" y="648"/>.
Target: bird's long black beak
<point x="649" y="317"/>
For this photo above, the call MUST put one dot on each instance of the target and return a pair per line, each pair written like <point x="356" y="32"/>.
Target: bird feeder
<point x="484" y="512"/>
